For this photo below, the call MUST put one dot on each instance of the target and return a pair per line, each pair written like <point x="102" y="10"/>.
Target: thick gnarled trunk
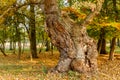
<point x="78" y="51"/>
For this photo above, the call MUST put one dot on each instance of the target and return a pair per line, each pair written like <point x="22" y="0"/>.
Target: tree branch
<point x="5" y="12"/>
<point x="16" y="7"/>
<point x="90" y="17"/>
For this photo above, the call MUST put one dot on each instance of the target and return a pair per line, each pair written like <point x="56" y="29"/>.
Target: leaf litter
<point x="13" y="69"/>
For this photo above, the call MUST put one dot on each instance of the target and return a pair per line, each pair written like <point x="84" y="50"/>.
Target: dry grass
<point x="25" y="69"/>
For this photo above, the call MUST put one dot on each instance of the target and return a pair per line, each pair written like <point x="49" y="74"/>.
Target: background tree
<point x="32" y="32"/>
<point x="106" y="21"/>
<point x="3" y="38"/>
<point x="101" y="46"/>
<point x="113" y="43"/>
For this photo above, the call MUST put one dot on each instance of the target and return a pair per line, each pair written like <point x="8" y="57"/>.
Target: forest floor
<point x="13" y="69"/>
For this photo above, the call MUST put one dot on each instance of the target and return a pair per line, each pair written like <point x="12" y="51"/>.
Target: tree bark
<point x="14" y="47"/>
<point x="113" y="43"/>
<point x="48" y="46"/>
<point x="32" y="32"/>
<point x="3" y="51"/>
<point x="112" y="48"/>
<point x="19" y="43"/>
<point x="2" y="48"/>
<point x="78" y="51"/>
<point x="11" y="47"/>
<point x="101" y="45"/>
<point x="118" y="42"/>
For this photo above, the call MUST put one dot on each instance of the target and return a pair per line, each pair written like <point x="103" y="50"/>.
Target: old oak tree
<point x="78" y="51"/>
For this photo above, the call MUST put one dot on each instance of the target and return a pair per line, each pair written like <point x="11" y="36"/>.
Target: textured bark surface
<point x="112" y="48"/>
<point x="19" y="40"/>
<point x="32" y="32"/>
<point x="101" y="46"/>
<point x="118" y="42"/>
<point x="3" y="52"/>
<point x="78" y="51"/>
<point x="113" y="43"/>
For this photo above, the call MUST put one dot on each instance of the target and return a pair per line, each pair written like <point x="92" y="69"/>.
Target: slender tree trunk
<point x="48" y="48"/>
<point x="2" y="48"/>
<point x="52" y="49"/>
<point x="14" y="47"/>
<point x="3" y="51"/>
<point x="11" y="39"/>
<point x="23" y="48"/>
<point x="19" y="45"/>
<point x="118" y="42"/>
<point x="101" y="46"/>
<point x="32" y="32"/>
<point x="41" y="47"/>
<point x="78" y="51"/>
<point x="112" y="48"/>
<point x="19" y="52"/>
<point x="11" y="47"/>
<point x="18" y="36"/>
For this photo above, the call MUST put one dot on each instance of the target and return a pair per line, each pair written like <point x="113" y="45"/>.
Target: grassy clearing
<point x="25" y="69"/>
